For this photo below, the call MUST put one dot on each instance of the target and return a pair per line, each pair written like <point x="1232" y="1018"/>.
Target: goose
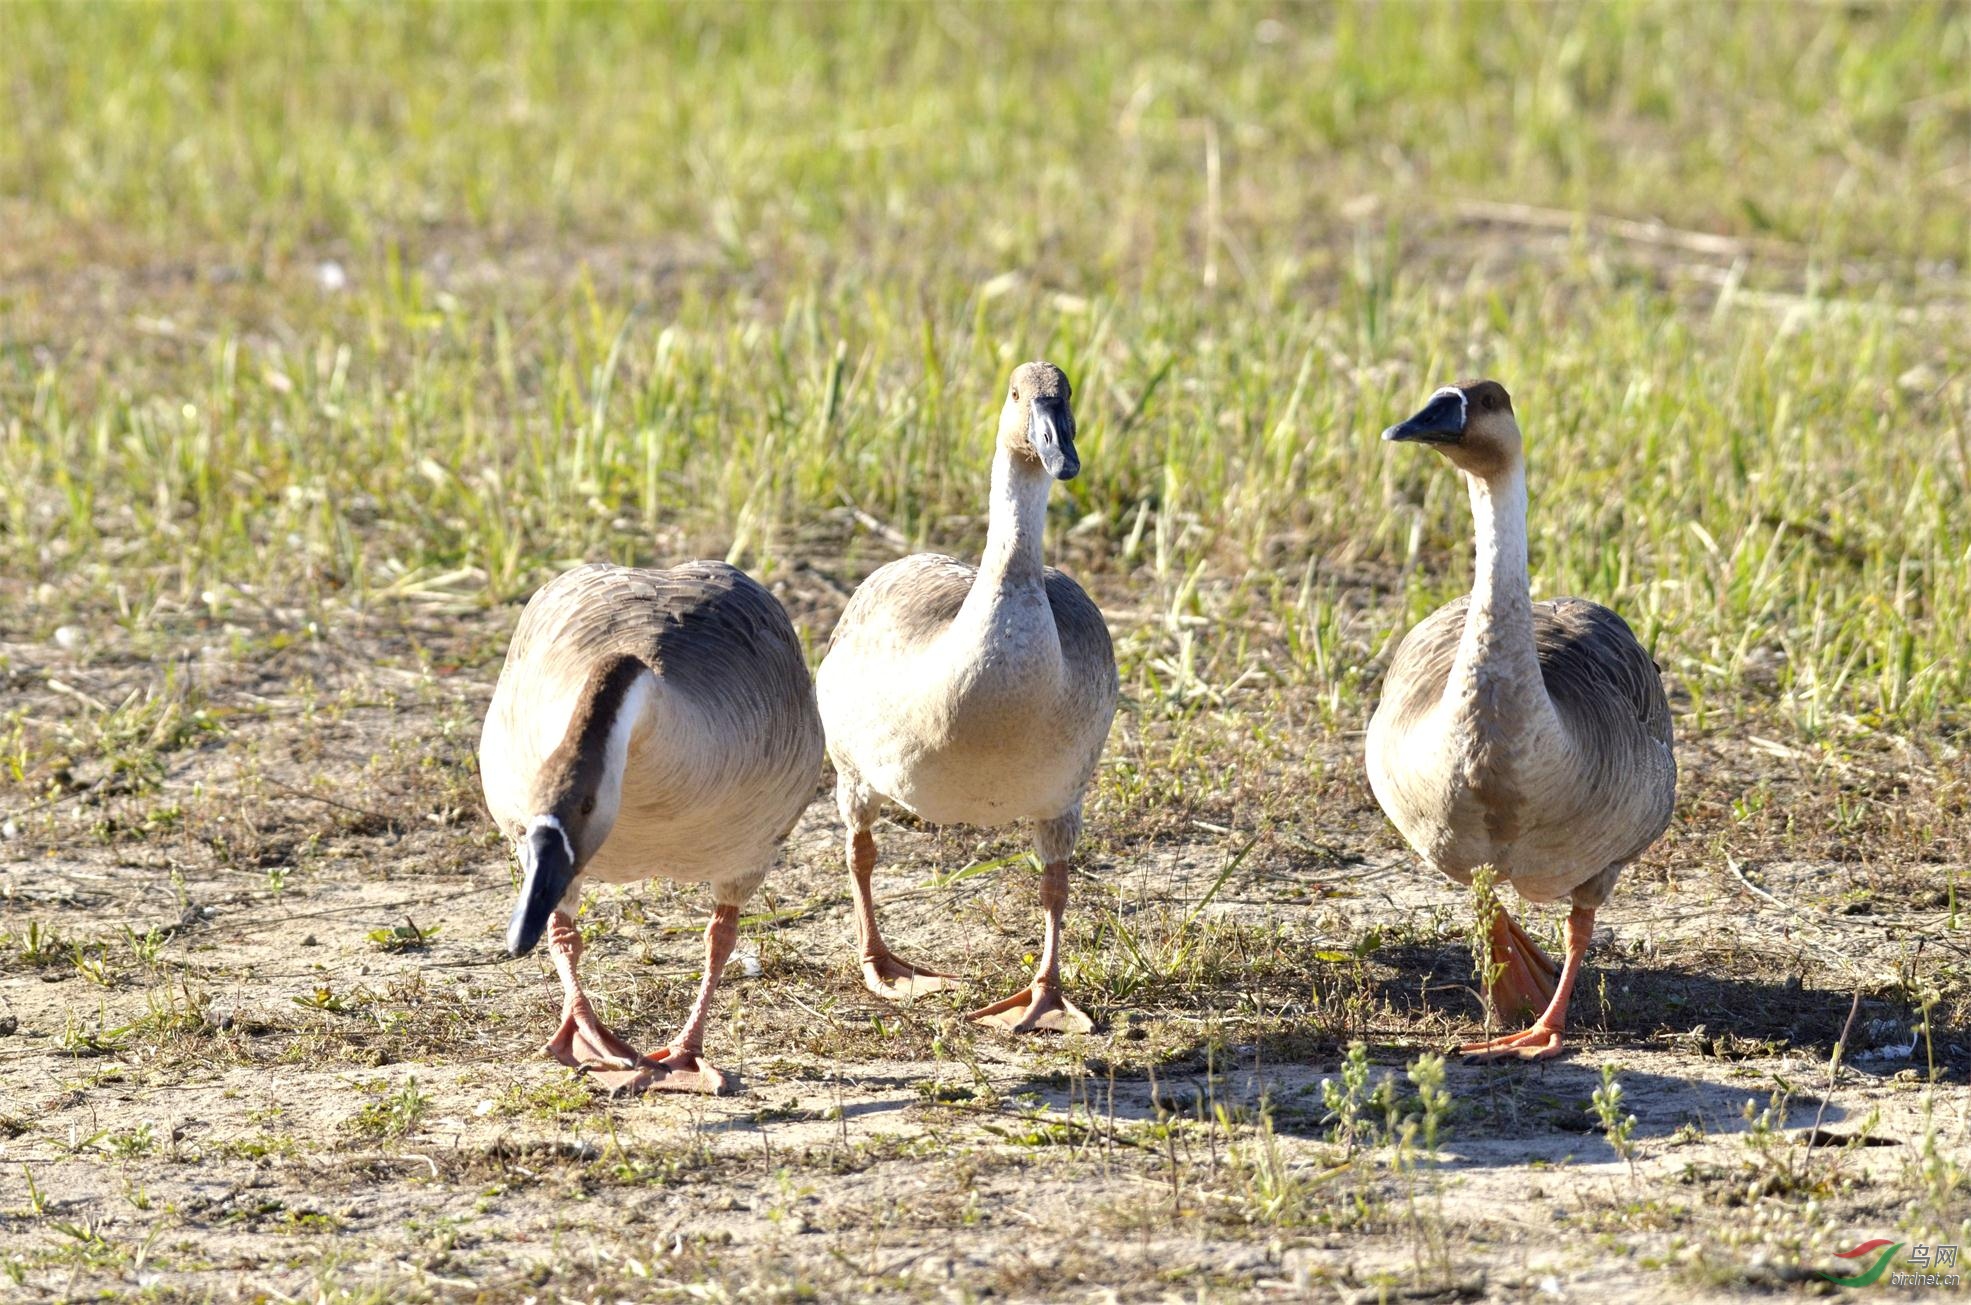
<point x="646" y="722"/>
<point x="977" y="696"/>
<point x="1533" y="738"/>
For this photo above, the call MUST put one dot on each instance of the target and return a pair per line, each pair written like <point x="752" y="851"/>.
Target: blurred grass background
<point x="311" y="309"/>
<point x="1064" y="132"/>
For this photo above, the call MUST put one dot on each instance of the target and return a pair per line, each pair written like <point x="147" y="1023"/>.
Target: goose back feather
<point x="726" y="746"/>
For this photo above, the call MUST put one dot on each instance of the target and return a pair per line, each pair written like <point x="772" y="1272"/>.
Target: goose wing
<point x="905" y="603"/>
<point x="1086" y="648"/>
<point x="1414" y="682"/>
<point x="708" y="630"/>
<point x="1608" y="693"/>
<point x="1597" y="672"/>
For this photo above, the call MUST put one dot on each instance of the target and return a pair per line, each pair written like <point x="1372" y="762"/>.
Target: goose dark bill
<point x="547" y="867"/>
<point x="1439" y="421"/>
<point x="1051" y="432"/>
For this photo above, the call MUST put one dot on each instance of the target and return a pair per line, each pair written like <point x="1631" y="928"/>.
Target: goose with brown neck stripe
<point x="646" y="723"/>
<point x="977" y="696"/>
<point x="1533" y="738"/>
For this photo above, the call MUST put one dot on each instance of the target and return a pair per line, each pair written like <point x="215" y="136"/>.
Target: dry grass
<point x="326" y="334"/>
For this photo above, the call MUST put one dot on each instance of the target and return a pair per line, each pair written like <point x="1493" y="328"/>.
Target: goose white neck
<point x="637" y="702"/>
<point x="1018" y="519"/>
<point x="1498" y="636"/>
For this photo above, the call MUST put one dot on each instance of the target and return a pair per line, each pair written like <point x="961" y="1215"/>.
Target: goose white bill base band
<point x="549" y="822"/>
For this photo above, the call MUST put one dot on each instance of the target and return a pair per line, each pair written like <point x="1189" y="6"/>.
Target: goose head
<point x="575" y="795"/>
<point x="1471" y="424"/>
<point x="1037" y="422"/>
<point x="554" y="846"/>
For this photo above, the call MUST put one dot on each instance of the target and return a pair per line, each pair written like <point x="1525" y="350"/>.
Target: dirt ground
<point x="262" y="1041"/>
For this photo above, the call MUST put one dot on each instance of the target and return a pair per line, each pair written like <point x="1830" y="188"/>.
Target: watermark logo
<point x="1878" y="1253"/>
<point x="1874" y="1271"/>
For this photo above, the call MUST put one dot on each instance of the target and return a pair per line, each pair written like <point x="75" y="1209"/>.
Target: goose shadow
<point x="1499" y="1114"/>
<point x="875" y="1096"/>
<point x="1718" y="1025"/>
<point x="1631" y="1002"/>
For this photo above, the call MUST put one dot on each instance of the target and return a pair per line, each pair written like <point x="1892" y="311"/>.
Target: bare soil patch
<point x="262" y="1042"/>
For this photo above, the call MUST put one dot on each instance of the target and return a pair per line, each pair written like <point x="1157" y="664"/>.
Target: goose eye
<point x="1014" y="394"/>
<point x="588" y="804"/>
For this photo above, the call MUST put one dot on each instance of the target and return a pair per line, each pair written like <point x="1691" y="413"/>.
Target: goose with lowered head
<point x="1533" y="738"/>
<point x="646" y="723"/>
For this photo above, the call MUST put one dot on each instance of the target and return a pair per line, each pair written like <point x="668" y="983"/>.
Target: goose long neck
<point x="1497" y="646"/>
<point x="1018" y="517"/>
<point x="591" y="760"/>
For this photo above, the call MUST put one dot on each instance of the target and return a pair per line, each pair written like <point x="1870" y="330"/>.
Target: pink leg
<point x="1525" y="983"/>
<point x="1042" y="1004"/>
<point x="582" y="1041"/>
<point x="1543" y="1040"/>
<point x="681" y="1066"/>
<point x="882" y="972"/>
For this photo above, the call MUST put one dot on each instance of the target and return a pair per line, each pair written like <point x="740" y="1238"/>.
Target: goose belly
<point x="983" y="786"/>
<point x="983" y="766"/>
<point x="709" y="838"/>
<point x="969" y="748"/>
<point x="1529" y="822"/>
<point x="1542" y="863"/>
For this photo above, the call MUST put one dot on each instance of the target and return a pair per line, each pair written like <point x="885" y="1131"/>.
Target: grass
<point x="391" y="1117"/>
<point x="1803" y="127"/>
<point x="1783" y="525"/>
<point x="328" y="332"/>
<point x="1758" y="456"/>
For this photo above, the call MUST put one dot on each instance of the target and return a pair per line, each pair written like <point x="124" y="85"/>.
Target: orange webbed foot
<point x="588" y="1044"/>
<point x="896" y="980"/>
<point x="1035" y="1009"/>
<point x="665" y="1070"/>
<point x="1541" y="1042"/>
<point x="1528" y="977"/>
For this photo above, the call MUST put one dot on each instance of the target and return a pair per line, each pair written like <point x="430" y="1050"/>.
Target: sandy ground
<point x="223" y="1077"/>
